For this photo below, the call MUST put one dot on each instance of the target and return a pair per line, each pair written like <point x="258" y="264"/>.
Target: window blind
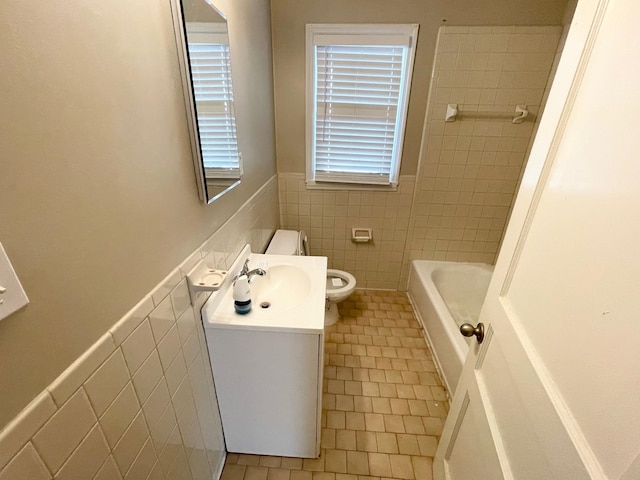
<point x="211" y="77"/>
<point x="358" y="101"/>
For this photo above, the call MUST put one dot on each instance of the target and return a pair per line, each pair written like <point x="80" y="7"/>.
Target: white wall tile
<point x="127" y="324"/>
<point x="107" y="382"/>
<point x="25" y="465"/>
<point x="180" y="298"/>
<point x="169" y="347"/>
<point x="156" y="404"/>
<point x="108" y="471"/>
<point x="143" y="464"/>
<point x="74" y="376"/>
<point x="24" y="426"/>
<point x="65" y="430"/>
<point x="117" y="418"/>
<point x="137" y="347"/>
<point x="127" y="449"/>
<point x="87" y="459"/>
<point x="148" y="376"/>
<point x="162" y="319"/>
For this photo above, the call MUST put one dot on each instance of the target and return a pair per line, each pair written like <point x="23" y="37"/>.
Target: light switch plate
<point x="12" y="295"/>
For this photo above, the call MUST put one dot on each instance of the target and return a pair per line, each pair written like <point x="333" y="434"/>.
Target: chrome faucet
<point x="250" y="273"/>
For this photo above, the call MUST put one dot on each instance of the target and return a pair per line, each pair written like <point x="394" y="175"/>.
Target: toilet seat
<point x="334" y="293"/>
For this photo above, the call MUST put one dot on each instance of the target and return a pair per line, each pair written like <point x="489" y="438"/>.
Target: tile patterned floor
<point x="383" y="405"/>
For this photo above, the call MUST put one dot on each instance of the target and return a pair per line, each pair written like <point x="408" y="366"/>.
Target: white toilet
<point x="339" y="284"/>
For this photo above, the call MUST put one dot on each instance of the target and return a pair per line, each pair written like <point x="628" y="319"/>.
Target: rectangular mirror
<point x="205" y="61"/>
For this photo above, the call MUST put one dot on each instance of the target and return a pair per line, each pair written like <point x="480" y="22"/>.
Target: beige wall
<point x="97" y="193"/>
<point x="288" y="23"/>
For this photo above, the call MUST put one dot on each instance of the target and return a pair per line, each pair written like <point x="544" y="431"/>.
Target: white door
<point x="553" y="392"/>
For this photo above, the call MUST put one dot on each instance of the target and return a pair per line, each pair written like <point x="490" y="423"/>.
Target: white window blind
<point x="211" y="77"/>
<point x="359" y="88"/>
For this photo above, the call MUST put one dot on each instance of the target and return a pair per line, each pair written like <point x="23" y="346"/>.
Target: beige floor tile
<point x="300" y="475"/>
<point x="370" y="389"/>
<point x="352" y="387"/>
<point x="387" y="442"/>
<point x="363" y="404"/>
<point x="324" y="476"/>
<point x="408" y="444"/>
<point x="399" y="406"/>
<point x="422" y="392"/>
<point x="406" y="391"/>
<point x="437" y="409"/>
<point x="336" y="419"/>
<point x="433" y="425"/>
<point x="428" y="445"/>
<point x="346" y="440"/>
<point x="394" y="424"/>
<point x="418" y="407"/>
<point x="268" y="461"/>
<point x="394" y="376"/>
<point x="256" y="473"/>
<point x="335" y="461"/>
<point x="379" y="465"/>
<point x="278" y="474"/>
<point x="233" y="472"/>
<point x="357" y="463"/>
<point x="343" y="373"/>
<point x="291" y="463"/>
<point x="327" y="439"/>
<point x="344" y="403"/>
<point x="413" y="425"/>
<point x="422" y="467"/>
<point x="355" y="421"/>
<point x="366" y="442"/>
<point x="401" y="467"/>
<point x="248" y="460"/>
<point x="335" y="386"/>
<point x="377" y="375"/>
<point x="374" y="422"/>
<point x="388" y="390"/>
<point x="383" y="405"/>
<point x="313" y="464"/>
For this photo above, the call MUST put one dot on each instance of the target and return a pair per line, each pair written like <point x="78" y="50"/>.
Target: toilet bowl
<point x="339" y="284"/>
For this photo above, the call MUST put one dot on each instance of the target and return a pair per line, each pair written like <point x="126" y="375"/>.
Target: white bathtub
<point x="445" y="295"/>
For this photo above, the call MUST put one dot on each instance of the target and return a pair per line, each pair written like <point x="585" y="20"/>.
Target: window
<point x="211" y="76"/>
<point x="358" y="80"/>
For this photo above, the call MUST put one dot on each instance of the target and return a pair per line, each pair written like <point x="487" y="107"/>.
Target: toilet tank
<point x="288" y="242"/>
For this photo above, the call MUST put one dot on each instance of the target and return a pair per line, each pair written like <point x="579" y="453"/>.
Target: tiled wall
<point x="140" y="403"/>
<point x="470" y="168"/>
<point x="327" y="216"/>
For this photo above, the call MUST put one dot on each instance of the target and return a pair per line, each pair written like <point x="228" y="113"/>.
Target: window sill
<point x="313" y="185"/>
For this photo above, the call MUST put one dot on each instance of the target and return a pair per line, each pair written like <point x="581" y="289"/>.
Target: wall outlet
<point x="12" y="295"/>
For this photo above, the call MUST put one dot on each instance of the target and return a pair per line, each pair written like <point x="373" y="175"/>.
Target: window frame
<point x="352" y="32"/>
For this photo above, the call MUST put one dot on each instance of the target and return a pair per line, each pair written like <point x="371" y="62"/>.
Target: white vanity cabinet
<point x="268" y="364"/>
<point x="269" y="388"/>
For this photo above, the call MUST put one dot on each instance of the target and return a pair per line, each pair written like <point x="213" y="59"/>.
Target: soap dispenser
<point x="242" y="295"/>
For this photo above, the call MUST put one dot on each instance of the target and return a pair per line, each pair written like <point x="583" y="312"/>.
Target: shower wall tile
<point x="140" y="403"/>
<point x="327" y="216"/>
<point x="470" y="169"/>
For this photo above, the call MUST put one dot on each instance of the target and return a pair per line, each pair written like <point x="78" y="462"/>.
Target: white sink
<point x="291" y="296"/>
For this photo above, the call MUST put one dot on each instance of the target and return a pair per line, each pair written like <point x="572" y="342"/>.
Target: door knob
<point x="469" y="330"/>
